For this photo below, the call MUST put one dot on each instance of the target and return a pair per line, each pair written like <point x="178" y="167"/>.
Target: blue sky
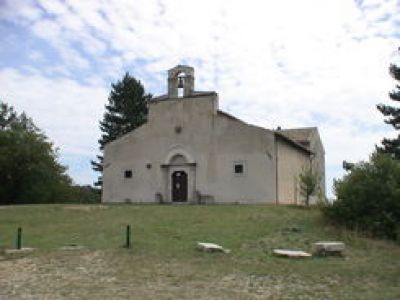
<point x="274" y="63"/>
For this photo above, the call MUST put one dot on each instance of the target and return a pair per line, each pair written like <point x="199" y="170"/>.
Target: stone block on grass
<point x="324" y="248"/>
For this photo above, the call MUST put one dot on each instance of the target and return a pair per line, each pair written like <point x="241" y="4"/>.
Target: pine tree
<point x="392" y="146"/>
<point x="125" y="111"/>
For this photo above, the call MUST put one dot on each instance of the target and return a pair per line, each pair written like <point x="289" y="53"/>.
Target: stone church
<point x="190" y="151"/>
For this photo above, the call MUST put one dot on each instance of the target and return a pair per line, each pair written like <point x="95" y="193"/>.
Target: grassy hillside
<point x="164" y="264"/>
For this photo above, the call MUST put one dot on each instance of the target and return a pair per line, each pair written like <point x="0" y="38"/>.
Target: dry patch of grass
<point x="98" y="274"/>
<point x="58" y="275"/>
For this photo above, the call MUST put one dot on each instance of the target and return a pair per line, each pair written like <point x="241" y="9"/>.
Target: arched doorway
<point x="179" y="176"/>
<point x="179" y="181"/>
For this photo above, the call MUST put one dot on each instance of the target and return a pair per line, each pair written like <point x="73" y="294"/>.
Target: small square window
<point x="128" y="173"/>
<point x="239" y="169"/>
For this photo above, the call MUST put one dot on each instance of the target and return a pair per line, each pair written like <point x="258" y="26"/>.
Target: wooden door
<point x="179" y="186"/>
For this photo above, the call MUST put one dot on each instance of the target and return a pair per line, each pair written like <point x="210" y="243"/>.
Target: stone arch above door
<point x="177" y="151"/>
<point x="178" y="159"/>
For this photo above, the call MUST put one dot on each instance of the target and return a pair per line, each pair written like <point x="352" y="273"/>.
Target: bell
<point x="180" y="82"/>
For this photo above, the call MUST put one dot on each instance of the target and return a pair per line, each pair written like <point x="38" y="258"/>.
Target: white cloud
<point x="67" y="111"/>
<point x="288" y="63"/>
<point x="25" y="11"/>
<point x="54" y="7"/>
<point x="36" y="56"/>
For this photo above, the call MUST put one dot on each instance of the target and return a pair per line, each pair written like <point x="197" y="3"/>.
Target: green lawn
<point x="164" y="264"/>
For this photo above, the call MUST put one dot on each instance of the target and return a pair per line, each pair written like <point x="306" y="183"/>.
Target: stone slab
<point x="211" y="247"/>
<point x="291" y="253"/>
<point x="22" y="250"/>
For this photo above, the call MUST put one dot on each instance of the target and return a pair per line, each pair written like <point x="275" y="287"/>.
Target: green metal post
<point x="128" y="236"/>
<point x="19" y="238"/>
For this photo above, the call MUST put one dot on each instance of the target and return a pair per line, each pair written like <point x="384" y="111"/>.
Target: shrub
<point x="308" y="184"/>
<point x="85" y="194"/>
<point x="29" y="167"/>
<point x="368" y="198"/>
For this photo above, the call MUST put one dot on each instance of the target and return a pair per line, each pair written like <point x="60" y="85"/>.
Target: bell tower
<point x="180" y="81"/>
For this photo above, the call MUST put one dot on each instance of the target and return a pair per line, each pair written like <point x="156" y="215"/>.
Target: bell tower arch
<point x="180" y="77"/>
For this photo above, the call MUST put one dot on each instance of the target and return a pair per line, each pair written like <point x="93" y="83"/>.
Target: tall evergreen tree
<point x="125" y="111"/>
<point x="392" y="146"/>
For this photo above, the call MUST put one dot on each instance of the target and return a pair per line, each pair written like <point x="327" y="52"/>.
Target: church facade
<point x="190" y="151"/>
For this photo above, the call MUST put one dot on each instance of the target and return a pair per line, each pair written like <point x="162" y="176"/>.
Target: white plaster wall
<point x="291" y="162"/>
<point x="235" y="141"/>
<point x="214" y="141"/>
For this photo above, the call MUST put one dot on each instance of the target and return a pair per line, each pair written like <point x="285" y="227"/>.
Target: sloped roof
<point x="279" y="133"/>
<point x="229" y="116"/>
<point x="299" y="134"/>
<point x="297" y="144"/>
